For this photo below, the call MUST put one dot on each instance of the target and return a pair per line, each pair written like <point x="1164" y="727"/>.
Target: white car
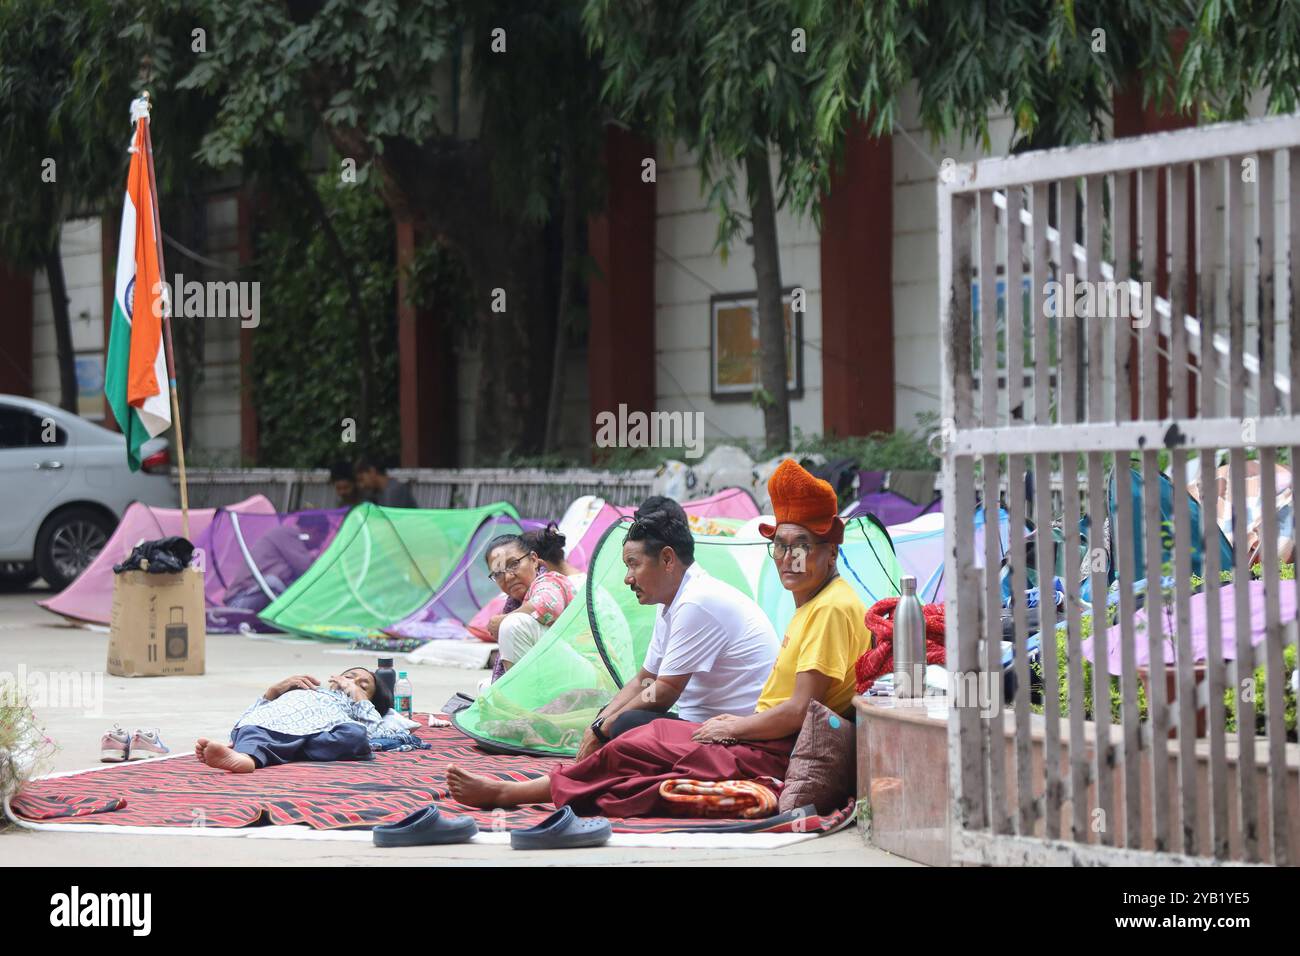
<point x="65" y="483"/>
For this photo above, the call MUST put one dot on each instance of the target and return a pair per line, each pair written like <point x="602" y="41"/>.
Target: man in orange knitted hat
<point x="822" y="642"/>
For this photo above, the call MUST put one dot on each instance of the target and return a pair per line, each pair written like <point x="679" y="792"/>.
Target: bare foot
<point x="475" y="791"/>
<point x="198" y="747"/>
<point x="221" y="757"/>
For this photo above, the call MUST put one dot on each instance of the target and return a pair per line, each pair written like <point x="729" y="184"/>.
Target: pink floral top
<point x="549" y="594"/>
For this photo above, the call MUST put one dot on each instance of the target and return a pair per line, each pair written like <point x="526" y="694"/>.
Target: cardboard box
<point x="158" y="626"/>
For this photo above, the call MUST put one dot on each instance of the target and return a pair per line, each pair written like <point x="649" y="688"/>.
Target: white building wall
<point x="689" y="271"/>
<point x="214" y="437"/>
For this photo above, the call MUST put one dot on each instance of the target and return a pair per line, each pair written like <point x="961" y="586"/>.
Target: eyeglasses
<point x="779" y="549"/>
<point x="510" y="568"/>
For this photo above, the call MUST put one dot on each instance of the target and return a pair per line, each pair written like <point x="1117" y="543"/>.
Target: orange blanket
<point x="748" y="799"/>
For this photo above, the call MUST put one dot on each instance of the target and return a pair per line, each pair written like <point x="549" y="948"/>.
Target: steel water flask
<point x="909" y="642"/>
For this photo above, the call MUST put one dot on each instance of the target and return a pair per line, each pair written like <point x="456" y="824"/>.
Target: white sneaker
<point x="114" y="745"/>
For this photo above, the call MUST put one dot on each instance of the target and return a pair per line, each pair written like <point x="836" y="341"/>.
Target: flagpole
<point x="167" y="328"/>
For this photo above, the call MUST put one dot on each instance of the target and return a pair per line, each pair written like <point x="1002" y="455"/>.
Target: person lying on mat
<point x="282" y="555"/>
<point x="536" y="597"/>
<point x="826" y="636"/>
<point x="301" y="719"/>
<point x="712" y="646"/>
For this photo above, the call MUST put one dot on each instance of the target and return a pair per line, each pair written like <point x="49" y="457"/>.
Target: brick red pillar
<point x="1131" y="118"/>
<point x="249" y="439"/>
<point x="427" y="373"/>
<point x="621" y="293"/>
<point x="857" y="290"/>
<point x="16" y="331"/>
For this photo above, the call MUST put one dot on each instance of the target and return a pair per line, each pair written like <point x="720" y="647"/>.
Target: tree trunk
<point x="775" y="396"/>
<point x="568" y="259"/>
<point x="62" y="327"/>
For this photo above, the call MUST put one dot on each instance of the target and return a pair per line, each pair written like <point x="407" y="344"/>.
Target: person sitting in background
<point x="299" y="719"/>
<point x="345" y="484"/>
<point x="536" y="597"/>
<point x="548" y="544"/>
<point x="281" y="556"/>
<point x="826" y="636"/>
<point x="712" y="646"/>
<point x="375" y="482"/>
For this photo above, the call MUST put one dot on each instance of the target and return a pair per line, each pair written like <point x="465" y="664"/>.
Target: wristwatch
<point x="595" y="729"/>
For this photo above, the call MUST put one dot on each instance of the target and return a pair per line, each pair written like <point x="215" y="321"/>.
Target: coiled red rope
<point x="879" y="661"/>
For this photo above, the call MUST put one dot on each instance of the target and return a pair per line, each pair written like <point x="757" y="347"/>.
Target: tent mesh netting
<point x="383" y="565"/>
<point x="545" y="703"/>
<point x="250" y="559"/>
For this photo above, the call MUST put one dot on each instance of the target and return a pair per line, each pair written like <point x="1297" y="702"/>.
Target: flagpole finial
<point x="140" y="107"/>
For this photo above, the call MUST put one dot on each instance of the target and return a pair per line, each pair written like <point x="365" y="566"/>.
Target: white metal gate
<point x="1206" y="221"/>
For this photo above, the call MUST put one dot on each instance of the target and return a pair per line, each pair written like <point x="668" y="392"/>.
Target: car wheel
<point x="16" y="575"/>
<point x="68" y="542"/>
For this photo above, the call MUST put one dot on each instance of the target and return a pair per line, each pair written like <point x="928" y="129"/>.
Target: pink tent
<point x="89" y="598"/>
<point x="728" y="503"/>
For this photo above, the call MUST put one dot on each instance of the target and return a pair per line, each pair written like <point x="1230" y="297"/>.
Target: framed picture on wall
<point x="734" y="346"/>
<point x="90" y="385"/>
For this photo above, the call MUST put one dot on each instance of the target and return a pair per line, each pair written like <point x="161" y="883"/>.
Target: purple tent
<point x="889" y="506"/>
<point x="1199" y="620"/>
<point x="465" y="591"/>
<point x="249" y="559"/>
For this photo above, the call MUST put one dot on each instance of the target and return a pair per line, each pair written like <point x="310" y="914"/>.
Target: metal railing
<point x="1079" y="782"/>
<point x="534" y="493"/>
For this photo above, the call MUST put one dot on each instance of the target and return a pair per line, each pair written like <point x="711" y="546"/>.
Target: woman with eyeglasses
<point x="826" y="636"/>
<point x="536" y="596"/>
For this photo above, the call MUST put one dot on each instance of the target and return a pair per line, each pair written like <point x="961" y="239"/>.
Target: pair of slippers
<point x="562" y="830"/>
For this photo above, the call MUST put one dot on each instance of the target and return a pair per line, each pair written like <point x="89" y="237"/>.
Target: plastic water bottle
<point x="403" y="695"/>
<point x="909" y="642"/>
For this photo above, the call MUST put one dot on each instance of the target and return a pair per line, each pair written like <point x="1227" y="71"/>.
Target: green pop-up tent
<point x="545" y="703"/>
<point x="383" y="564"/>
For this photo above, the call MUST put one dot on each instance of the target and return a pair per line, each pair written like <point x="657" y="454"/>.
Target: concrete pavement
<point x="239" y="668"/>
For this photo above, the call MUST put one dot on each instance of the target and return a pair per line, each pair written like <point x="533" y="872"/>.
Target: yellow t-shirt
<point x="827" y="635"/>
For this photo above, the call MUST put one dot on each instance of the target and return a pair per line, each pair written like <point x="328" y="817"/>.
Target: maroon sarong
<point x="622" y="778"/>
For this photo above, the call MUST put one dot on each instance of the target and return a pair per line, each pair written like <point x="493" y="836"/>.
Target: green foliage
<point x="305" y="374"/>
<point x="724" y="79"/>
<point x="1036" y="59"/>
<point x="1261" y="697"/>
<point x="881" y="451"/>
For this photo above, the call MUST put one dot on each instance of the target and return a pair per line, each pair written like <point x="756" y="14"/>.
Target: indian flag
<point x="135" y="374"/>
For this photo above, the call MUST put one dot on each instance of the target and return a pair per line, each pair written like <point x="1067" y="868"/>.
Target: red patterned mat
<point x="181" y="792"/>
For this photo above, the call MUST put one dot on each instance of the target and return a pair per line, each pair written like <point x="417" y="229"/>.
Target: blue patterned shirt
<point x="303" y="712"/>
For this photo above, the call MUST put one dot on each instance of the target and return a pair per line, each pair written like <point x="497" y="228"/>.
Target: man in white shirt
<point x="712" y="647"/>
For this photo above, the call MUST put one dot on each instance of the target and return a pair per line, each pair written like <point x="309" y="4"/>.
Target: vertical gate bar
<point x="1275" y="675"/>
<point x="1016" y="510"/>
<point x="1067" y="409"/>
<point x="1290" y="236"/>
<point x="1040" y="266"/>
<point x="1187" y="709"/>
<point x="994" y="734"/>
<point x="965" y="771"/>
<point x="1101" y="314"/>
<point x="1149" y="392"/>
<point x="1211" y="175"/>
<point x="1122" y="534"/>
<point x="1247" y="805"/>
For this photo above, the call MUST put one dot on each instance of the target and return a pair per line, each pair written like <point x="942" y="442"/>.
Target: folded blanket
<point x="401" y="741"/>
<point x="748" y="799"/>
